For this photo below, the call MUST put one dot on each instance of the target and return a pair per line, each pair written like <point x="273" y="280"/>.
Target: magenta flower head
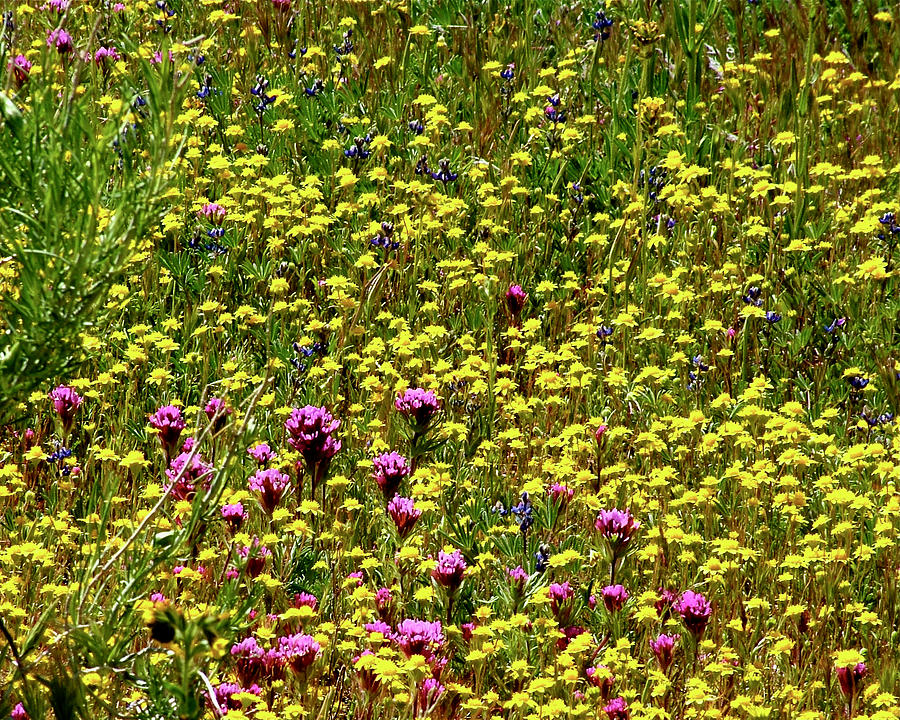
<point x="305" y="600"/>
<point x="419" y="406"/>
<point x="20" y="67"/>
<point x="106" y="54"/>
<point x="694" y="610"/>
<point x="311" y="432"/>
<point x="226" y="692"/>
<point x="213" y="212"/>
<point x="66" y="403"/>
<point x="168" y="422"/>
<point x="517" y="578"/>
<point x="664" y="649"/>
<point x="217" y="412"/>
<point x="255" y="556"/>
<point x="560" y="494"/>
<point x="617" y="527"/>
<point x="851" y="678"/>
<point x="249" y="660"/>
<point x="271" y="485"/>
<point x="667" y="599"/>
<point x="515" y="299"/>
<point x="600" y="432"/>
<point x="404" y="513"/>
<point x="61" y="40"/>
<point x="262" y="453"/>
<point x="614" y="597"/>
<point x="430" y="692"/>
<point x="234" y="515"/>
<point x="617" y="709"/>
<point x="186" y="473"/>
<point x="299" y="651"/>
<point x="389" y="471"/>
<point x="419" y="637"/>
<point x="282" y="5"/>
<point x="450" y="569"/>
<point x="384" y="601"/>
<point x="365" y="674"/>
<point x="560" y="594"/>
<point x="601" y="677"/>
<point x="18" y="712"/>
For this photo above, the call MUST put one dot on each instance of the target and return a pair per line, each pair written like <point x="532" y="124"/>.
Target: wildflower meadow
<point x="453" y="359"/>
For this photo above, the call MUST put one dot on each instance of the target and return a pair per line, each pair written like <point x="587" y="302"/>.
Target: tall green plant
<point x="76" y="199"/>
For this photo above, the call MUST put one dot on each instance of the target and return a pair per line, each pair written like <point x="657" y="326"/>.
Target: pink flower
<point x="168" y="422"/>
<point x="450" y="569"/>
<point x="617" y="527"/>
<point x="311" y="432"/>
<point x="404" y="513"/>
<point x="66" y="403"/>
<point x="213" y="212"/>
<point x="271" y="485"/>
<point x="299" y="651"/>
<point x="419" y="637"/>
<point x="262" y="453"/>
<point x="617" y="709"/>
<point x="515" y="299"/>
<point x="185" y="473"/>
<point x="614" y="597"/>
<point x="249" y="660"/>
<point x="600" y="432"/>
<point x="560" y="494"/>
<point x="851" y="678"/>
<point x="419" y="406"/>
<point x="20" y="67"/>
<point x="61" y="40"/>
<point x="664" y="649"/>
<point x="105" y="54"/>
<point x="234" y="515"/>
<point x="389" y="471"/>
<point x="217" y="412"/>
<point x="304" y="600"/>
<point x="602" y="678"/>
<point x="255" y="556"/>
<point x="694" y="610"/>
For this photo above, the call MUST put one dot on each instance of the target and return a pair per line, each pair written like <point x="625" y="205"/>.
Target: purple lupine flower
<point x="299" y="651"/>
<point x="234" y="515"/>
<point x="217" y="412"/>
<point x="617" y="527"/>
<point x="20" y="67"/>
<point x="617" y="709"/>
<point x="66" y="403"/>
<point x="851" y="678"/>
<point x="61" y="40"/>
<point x="194" y="471"/>
<point x="389" y="471"/>
<point x="262" y="453"/>
<point x="419" y="637"/>
<point x="404" y="513"/>
<point x="602" y="678"/>
<point x="694" y="610"/>
<point x="561" y="494"/>
<point x="515" y="299"/>
<point x="213" y="212"/>
<point x="614" y="597"/>
<point x="311" y="432"/>
<point x="255" y="556"/>
<point x="169" y="423"/>
<point x="271" y="485"/>
<point x="419" y="406"/>
<point x="450" y="569"/>
<point x="664" y="649"/>
<point x="249" y="660"/>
